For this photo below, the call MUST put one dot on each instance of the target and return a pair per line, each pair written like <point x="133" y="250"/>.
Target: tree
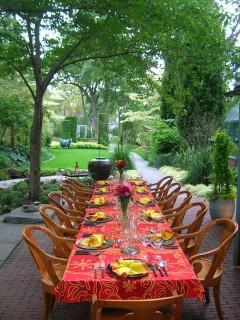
<point x="40" y="38"/>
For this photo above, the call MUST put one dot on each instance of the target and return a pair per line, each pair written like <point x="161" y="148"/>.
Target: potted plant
<point x="222" y="197"/>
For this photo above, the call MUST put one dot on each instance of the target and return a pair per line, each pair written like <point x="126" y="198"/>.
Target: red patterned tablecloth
<point x="78" y="283"/>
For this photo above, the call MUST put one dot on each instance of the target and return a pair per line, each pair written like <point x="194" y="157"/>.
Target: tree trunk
<point x="94" y="114"/>
<point x="13" y="136"/>
<point x="35" y="147"/>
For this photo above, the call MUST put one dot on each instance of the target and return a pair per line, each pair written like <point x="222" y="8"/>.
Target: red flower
<point x="120" y="164"/>
<point x="124" y="190"/>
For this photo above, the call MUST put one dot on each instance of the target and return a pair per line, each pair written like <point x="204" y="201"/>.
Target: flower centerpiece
<point x="121" y="165"/>
<point x="124" y="192"/>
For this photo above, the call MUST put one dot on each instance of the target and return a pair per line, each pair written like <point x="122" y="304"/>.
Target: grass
<point x="142" y="152"/>
<point x="66" y="158"/>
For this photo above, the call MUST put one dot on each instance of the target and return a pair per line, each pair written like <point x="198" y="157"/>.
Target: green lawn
<point x="66" y="158"/>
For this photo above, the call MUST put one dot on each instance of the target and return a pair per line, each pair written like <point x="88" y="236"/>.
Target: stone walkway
<point x="21" y="296"/>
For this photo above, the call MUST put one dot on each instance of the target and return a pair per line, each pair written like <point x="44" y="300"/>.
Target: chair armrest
<point x="71" y="232"/>
<point x="203" y="255"/>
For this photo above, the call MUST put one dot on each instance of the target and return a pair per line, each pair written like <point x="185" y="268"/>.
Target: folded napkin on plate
<point x="97" y="216"/>
<point x="103" y="190"/>
<point x="101" y="183"/>
<point x="145" y="200"/>
<point x="152" y="214"/>
<point x="96" y="240"/>
<point x="99" y="201"/>
<point x="138" y="182"/>
<point x="128" y="267"/>
<point x="141" y="189"/>
<point x="164" y="235"/>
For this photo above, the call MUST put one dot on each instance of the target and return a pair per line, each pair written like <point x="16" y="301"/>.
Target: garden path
<point x="150" y="174"/>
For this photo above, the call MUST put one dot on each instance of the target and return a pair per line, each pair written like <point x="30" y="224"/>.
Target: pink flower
<point x="124" y="190"/>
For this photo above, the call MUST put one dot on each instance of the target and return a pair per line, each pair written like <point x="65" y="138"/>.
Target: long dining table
<point x="79" y="282"/>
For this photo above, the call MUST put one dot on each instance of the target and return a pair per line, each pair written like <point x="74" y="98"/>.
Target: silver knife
<point x="102" y="267"/>
<point x="95" y="269"/>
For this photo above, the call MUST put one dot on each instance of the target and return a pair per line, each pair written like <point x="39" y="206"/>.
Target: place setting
<point x="98" y="217"/>
<point x="99" y="202"/>
<point x="159" y="239"/>
<point x="146" y="201"/>
<point x="93" y="244"/>
<point x="151" y="215"/>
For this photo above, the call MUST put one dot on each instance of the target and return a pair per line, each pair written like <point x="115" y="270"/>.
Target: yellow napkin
<point x="138" y="182"/>
<point x="164" y="235"/>
<point x="152" y="214"/>
<point x="167" y="234"/>
<point x="101" y="182"/>
<point x="128" y="267"/>
<point x="97" y="216"/>
<point x="96" y="240"/>
<point x="99" y="201"/>
<point x="145" y="200"/>
<point x="104" y="189"/>
<point x="141" y="189"/>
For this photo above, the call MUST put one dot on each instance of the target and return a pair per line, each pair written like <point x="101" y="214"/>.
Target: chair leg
<point x="216" y="293"/>
<point x="207" y="295"/>
<point x="48" y="303"/>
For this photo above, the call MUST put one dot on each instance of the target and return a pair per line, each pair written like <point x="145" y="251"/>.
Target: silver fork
<point x="95" y="269"/>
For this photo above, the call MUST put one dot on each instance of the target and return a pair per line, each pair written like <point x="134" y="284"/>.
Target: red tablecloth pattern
<point x="78" y="283"/>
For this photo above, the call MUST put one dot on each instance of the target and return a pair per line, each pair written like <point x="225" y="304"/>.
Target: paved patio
<point x="21" y="296"/>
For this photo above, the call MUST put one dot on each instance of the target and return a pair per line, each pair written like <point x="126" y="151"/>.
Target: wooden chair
<point x="76" y="192"/>
<point x="67" y="204"/>
<point x="66" y="226"/>
<point x="51" y="267"/>
<point x="78" y="184"/>
<point x="183" y="199"/>
<point x="137" y="309"/>
<point x="168" y="200"/>
<point x="209" y="271"/>
<point x="200" y="209"/>
<point x="160" y="186"/>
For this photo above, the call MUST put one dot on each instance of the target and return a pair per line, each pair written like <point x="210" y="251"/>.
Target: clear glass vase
<point x="127" y="232"/>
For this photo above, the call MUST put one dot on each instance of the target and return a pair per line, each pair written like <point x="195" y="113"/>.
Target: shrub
<point x="4" y="175"/>
<point x="222" y="176"/>
<point x="199" y="166"/>
<point x="79" y="145"/>
<point x="165" y="139"/>
<point x="5" y="162"/>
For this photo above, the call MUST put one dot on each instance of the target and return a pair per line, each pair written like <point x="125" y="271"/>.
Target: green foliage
<point x="66" y="129"/>
<point x="4" y="175"/>
<point x="4" y="162"/>
<point x="165" y="139"/>
<point x="10" y="199"/>
<point x="122" y="152"/>
<point x="17" y="156"/>
<point x="198" y="166"/>
<point x="222" y="176"/>
<point x="103" y="129"/>
<point x="73" y="127"/>
<point x="79" y="145"/>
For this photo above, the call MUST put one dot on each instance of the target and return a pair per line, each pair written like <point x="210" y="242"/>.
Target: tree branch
<point x="21" y="75"/>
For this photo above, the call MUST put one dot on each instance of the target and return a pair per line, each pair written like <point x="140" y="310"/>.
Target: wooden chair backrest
<point x="161" y="185"/>
<point x="71" y="192"/>
<point x="140" y="309"/>
<point x="168" y="201"/>
<point x="50" y="223"/>
<point x="64" y="202"/>
<point x="229" y="230"/>
<point x="78" y="184"/>
<point x="45" y="261"/>
<point x="172" y="189"/>
<point x="185" y="196"/>
<point x="195" y="224"/>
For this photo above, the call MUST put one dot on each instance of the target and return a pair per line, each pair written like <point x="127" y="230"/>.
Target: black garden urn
<point x="100" y="168"/>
